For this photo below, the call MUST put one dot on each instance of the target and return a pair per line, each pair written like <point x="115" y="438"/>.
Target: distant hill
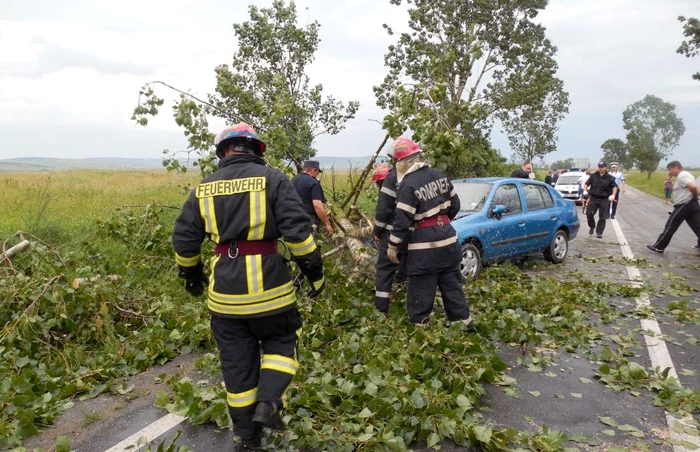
<point x="32" y="164"/>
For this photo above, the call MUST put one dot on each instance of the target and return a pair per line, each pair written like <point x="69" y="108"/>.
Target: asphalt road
<point x="565" y="402"/>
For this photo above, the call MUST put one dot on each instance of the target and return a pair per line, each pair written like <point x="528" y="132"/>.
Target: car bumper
<point x="574" y="230"/>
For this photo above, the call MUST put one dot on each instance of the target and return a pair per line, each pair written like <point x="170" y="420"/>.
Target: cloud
<point x="54" y="58"/>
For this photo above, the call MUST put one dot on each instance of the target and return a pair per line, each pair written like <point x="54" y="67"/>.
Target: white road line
<point x="658" y="352"/>
<point x="149" y="433"/>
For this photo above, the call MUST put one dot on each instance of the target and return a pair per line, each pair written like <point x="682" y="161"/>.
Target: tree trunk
<point x="10" y="253"/>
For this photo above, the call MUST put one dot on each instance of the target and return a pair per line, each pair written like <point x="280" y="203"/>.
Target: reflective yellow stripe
<point x="430" y="245"/>
<point x="258" y="215"/>
<point x="206" y="207"/>
<point x="280" y="364"/>
<point x="251" y="309"/>
<point x="253" y="273"/>
<point x="247" y="298"/>
<point x="186" y="261"/>
<point x="242" y="399"/>
<point x="302" y="248"/>
<point x="405" y="207"/>
<point x="319" y="283"/>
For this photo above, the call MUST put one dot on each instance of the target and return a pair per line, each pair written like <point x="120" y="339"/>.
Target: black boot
<point x="246" y="445"/>
<point x="267" y="414"/>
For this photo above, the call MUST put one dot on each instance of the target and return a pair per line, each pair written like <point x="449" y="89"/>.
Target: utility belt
<point x="237" y="248"/>
<point x="436" y="220"/>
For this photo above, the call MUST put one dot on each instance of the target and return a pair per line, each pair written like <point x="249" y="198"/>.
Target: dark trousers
<point x="385" y="272"/>
<point x="613" y="205"/>
<point x="420" y="296"/>
<point x="250" y="377"/>
<point x="602" y="206"/>
<point x="688" y="212"/>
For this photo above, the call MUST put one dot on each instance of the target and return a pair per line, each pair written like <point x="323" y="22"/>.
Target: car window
<point x="507" y="194"/>
<point x="472" y="196"/>
<point x="568" y="180"/>
<point x="537" y="197"/>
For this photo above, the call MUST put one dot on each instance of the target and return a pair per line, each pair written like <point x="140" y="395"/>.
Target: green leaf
<point x="609" y="432"/>
<point x="576" y="394"/>
<point x="585" y="380"/>
<point x="365" y="437"/>
<point x="433" y="439"/>
<point x="371" y="389"/>
<point x="483" y="434"/>
<point x="607" y="421"/>
<point x="534" y="393"/>
<point x="463" y="401"/>
<point x="63" y="444"/>
<point x="365" y="413"/>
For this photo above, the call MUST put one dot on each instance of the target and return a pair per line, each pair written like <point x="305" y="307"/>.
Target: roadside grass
<point x="653" y="186"/>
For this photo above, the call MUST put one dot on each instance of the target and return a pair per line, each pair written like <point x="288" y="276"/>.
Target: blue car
<point x="502" y="218"/>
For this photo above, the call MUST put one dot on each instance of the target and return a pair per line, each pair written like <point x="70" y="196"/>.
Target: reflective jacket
<point x="424" y="194"/>
<point x="386" y="205"/>
<point x="245" y="200"/>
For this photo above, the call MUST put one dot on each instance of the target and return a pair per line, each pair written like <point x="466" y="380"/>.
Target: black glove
<point x="311" y="266"/>
<point x="195" y="279"/>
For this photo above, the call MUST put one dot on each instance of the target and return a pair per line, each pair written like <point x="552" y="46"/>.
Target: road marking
<point x="149" y="433"/>
<point x="658" y="352"/>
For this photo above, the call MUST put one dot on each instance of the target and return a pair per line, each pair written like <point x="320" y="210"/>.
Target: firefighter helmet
<point x="403" y="147"/>
<point x="380" y="172"/>
<point x="244" y="133"/>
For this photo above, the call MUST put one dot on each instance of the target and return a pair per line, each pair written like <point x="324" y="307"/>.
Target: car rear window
<point x="537" y="197"/>
<point x="568" y="180"/>
<point x="472" y="196"/>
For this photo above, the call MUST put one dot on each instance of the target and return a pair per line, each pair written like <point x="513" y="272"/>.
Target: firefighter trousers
<point x="258" y="359"/>
<point x="420" y="296"/>
<point x="385" y="273"/>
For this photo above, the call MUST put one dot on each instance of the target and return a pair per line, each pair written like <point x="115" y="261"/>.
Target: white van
<point x="567" y="185"/>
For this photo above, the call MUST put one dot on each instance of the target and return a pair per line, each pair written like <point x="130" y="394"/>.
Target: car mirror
<point x="498" y="210"/>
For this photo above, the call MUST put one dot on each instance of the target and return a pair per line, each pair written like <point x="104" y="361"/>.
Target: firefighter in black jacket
<point x="385" y="178"/>
<point x="244" y="208"/>
<point x="427" y="203"/>
<point x="601" y="189"/>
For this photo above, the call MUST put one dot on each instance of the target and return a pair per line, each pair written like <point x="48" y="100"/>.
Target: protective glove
<point x="195" y="279"/>
<point x="393" y="253"/>
<point x="311" y="266"/>
<point x="611" y="198"/>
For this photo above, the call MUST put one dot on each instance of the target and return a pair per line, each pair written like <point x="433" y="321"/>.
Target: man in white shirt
<point x="583" y="194"/>
<point x="621" y="185"/>
<point x="685" y="208"/>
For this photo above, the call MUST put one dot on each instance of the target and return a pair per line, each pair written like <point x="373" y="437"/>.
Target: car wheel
<point x="558" y="249"/>
<point x="470" y="265"/>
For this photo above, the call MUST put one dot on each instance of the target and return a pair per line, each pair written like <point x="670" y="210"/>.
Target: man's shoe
<point x="612" y="217"/>
<point x="246" y="445"/>
<point x="267" y="414"/>
<point x="470" y="327"/>
<point x="656" y="250"/>
<point x="696" y="247"/>
<point x="591" y="231"/>
<point x="600" y="236"/>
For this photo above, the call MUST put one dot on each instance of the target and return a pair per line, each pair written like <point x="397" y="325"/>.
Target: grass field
<point x="653" y="186"/>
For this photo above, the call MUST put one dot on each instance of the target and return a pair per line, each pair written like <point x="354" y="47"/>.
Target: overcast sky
<point x="70" y="71"/>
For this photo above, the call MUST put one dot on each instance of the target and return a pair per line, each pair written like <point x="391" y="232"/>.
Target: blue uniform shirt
<point x="309" y="190"/>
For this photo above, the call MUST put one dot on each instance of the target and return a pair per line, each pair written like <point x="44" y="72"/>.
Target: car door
<point x="541" y="218"/>
<point x="507" y="234"/>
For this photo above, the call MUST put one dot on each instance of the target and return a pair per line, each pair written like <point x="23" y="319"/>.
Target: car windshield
<point x="472" y="196"/>
<point x="568" y="180"/>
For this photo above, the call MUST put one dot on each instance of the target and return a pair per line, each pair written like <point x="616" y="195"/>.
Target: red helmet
<point x="242" y="131"/>
<point x="403" y="147"/>
<point x="381" y="171"/>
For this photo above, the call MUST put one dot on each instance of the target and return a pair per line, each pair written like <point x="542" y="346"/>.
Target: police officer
<point x="427" y="202"/>
<point x="385" y="270"/>
<point x="601" y="189"/>
<point x="244" y="208"/>
<point x="311" y="194"/>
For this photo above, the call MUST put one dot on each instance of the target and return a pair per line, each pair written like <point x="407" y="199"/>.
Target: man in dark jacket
<point x="312" y="198"/>
<point x="601" y="189"/>
<point x="385" y="270"/>
<point x="523" y="172"/>
<point x="244" y="208"/>
<point x="427" y="202"/>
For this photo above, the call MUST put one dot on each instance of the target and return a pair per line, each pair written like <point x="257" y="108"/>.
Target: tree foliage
<point x="691" y="46"/>
<point x="616" y="150"/>
<point x="461" y="65"/>
<point x="266" y="85"/>
<point x="563" y="164"/>
<point x="532" y="129"/>
<point x="653" y="131"/>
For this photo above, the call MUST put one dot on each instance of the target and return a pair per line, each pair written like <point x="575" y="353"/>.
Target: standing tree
<point x="653" y="130"/>
<point x="266" y="86"/>
<point x="462" y="64"/>
<point x="616" y="150"/>
<point x="532" y="129"/>
<point x="691" y="47"/>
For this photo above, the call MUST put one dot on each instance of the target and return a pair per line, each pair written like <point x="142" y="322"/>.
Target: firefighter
<point x="244" y="208"/>
<point x="427" y="202"/>
<point x="385" y="178"/>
